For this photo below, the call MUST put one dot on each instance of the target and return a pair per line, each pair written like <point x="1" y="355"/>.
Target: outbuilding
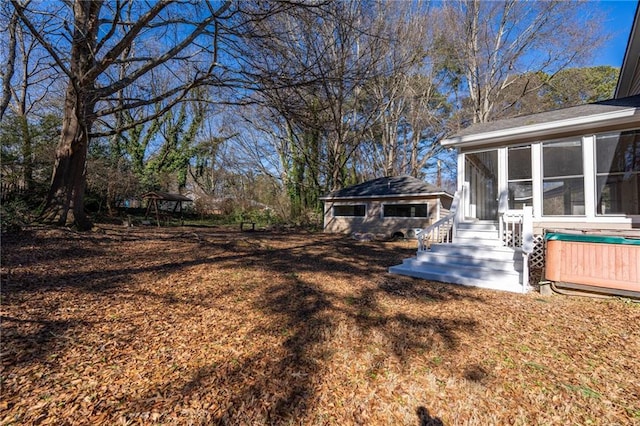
<point x="385" y="207"/>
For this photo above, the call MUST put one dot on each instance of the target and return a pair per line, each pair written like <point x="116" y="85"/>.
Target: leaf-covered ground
<point x="214" y="326"/>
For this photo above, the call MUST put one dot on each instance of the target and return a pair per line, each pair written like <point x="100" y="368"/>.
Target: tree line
<point x="269" y="102"/>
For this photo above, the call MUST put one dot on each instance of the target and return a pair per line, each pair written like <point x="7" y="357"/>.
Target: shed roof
<point x="165" y="196"/>
<point x="395" y="186"/>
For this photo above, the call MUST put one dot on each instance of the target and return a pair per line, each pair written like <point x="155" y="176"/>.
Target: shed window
<point x="406" y="210"/>
<point x="618" y="173"/>
<point x="349" y="210"/>
<point x="563" y="179"/>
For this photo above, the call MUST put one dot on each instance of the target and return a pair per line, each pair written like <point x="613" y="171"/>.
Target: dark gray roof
<point x="595" y="108"/>
<point x="387" y="187"/>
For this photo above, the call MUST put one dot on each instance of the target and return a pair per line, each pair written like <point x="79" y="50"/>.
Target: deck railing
<point x="516" y="231"/>
<point x="515" y="228"/>
<point x="441" y="231"/>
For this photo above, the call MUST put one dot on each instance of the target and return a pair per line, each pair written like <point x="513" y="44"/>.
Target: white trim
<point x="463" y="206"/>
<point x="503" y="179"/>
<point x="584" y="123"/>
<point x="406" y="203"/>
<point x="566" y="141"/>
<point x="536" y="177"/>
<point x="585" y="220"/>
<point x="589" y="177"/>
<point x="589" y="172"/>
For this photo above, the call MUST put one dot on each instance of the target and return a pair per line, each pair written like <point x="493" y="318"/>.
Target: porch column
<point x="503" y="185"/>
<point x="589" y="166"/>
<point x="463" y="201"/>
<point x="536" y="177"/>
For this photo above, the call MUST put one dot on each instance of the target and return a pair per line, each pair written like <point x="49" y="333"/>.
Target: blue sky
<point x="619" y="18"/>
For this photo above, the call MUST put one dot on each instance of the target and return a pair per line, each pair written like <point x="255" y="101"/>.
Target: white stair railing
<point x="441" y="231"/>
<point x="516" y="228"/>
<point x="516" y="231"/>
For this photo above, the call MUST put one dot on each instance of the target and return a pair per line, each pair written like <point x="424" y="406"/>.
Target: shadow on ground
<point x="303" y="313"/>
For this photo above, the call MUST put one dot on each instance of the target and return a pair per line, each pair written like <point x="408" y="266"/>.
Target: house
<point x="385" y="207"/>
<point x="574" y="170"/>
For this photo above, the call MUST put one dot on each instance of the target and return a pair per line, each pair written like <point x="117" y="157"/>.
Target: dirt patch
<point x="214" y="326"/>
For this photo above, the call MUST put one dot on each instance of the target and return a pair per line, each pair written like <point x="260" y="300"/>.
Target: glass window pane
<point x="519" y="163"/>
<point x="520" y="194"/>
<point x="562" y="159"/>
<point x="619" y="194"/>
<point x="406" y="210"/>
<point x="618" y="152"/>
<point x="563" y="197"/>
<point x="349" y="210"/>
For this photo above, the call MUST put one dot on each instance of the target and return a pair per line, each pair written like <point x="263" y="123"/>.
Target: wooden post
<point x="155" y="203"/>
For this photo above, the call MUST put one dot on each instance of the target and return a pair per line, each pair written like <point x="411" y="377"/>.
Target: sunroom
<point x="575" y="171"/>
<point x="559" y="187"/>
<point x="578" y="173"/>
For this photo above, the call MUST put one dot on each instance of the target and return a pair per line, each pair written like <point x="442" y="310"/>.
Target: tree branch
<point x="145" y="119"/>
<point x="36" y="34"/>
<point x="114" y="25"/>
<point x="126" y="41"/>
<point x="7" y="75"/>
<point x="170" y="54"/>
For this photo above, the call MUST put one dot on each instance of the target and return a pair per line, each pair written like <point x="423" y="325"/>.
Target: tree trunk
<point x="27" y="155"/>
<point x="65" y="201"/>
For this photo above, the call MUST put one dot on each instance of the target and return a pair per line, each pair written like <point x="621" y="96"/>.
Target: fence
<point x="11" y="190"/>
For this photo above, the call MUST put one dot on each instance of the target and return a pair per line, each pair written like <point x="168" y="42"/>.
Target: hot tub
<point x="608" y="264"/>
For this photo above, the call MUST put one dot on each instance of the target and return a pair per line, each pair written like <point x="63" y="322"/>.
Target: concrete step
<point x="477" y="277"/>
<point x="502" y="263"/>
<point x="477" y="241"/>
<point x="483" y="234"/>
<point x="475" y="271"/>
<point x="472" y="250"/>
<point x="479" y="225"/>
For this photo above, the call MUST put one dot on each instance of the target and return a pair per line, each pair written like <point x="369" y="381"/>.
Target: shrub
<point x="15" y="214"/>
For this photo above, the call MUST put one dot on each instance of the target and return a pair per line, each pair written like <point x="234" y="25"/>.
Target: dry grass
<point x="197" y="326"/>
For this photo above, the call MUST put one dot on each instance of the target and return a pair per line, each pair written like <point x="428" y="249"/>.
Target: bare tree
<point x="405" y="91"/>
<point x="10" y="60"/>
<point x="26" y="87"/>
<point x="310" y="68"/>
<point x="485" y="44"/>
<point x="89" y="53"/>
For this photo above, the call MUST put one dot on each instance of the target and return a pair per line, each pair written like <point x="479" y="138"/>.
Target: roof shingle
<point x="386" y="187"/>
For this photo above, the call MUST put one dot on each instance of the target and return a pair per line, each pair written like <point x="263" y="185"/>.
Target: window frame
<point x="353" y="206"/>
<point x="396" y="205"/>
<point x="520" y="180"/>
<point x="598" y="175"/>
<point x="558" y="177"/>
